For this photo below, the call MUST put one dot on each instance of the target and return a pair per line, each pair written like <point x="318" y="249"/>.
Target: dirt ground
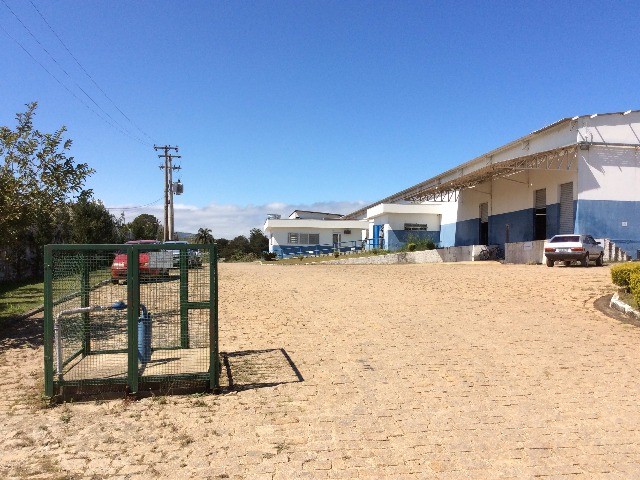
<point x="476" y="370"/>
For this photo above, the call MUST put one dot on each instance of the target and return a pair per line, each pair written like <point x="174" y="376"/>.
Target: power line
<point x="137" y="207"/>
<point x="45" y="69"/>
<point x="87" y="73"/>
<point x="114" y="125"/>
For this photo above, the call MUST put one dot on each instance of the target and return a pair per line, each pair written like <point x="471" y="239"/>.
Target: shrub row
<point x="621" y="274"/>
<point x="634" y="286"/>
<point x="627" y="275"/>
<point x="415" y="244"/>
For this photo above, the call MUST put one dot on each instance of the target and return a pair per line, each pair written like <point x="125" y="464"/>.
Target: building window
<point x="422" y="227"/>
<point x="303" y="238"/>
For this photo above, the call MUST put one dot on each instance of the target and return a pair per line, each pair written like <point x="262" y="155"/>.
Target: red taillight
<point x="577" y="249"/>
<point x="549" y="249"/>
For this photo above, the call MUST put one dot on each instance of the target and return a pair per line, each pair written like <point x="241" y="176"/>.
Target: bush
<point x="415" y="244"/>
<point x="269" y="257"/>
<point x="634" y="286"/>
<point x="243" y="257"/>
<point x="336" y="253"/>
<point x="620" y="274"/>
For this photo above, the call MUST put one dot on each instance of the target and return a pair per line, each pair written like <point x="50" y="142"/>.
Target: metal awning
<point x="439" y="190"/>
<point x="446" y="187"/>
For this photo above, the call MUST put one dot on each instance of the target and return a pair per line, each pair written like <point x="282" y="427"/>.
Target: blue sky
<point x="324" y="105"/>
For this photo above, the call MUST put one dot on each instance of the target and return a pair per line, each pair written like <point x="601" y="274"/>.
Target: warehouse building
<point x="579" y="174"/>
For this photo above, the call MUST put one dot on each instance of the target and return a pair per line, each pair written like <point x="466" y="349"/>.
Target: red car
<point x="153" y="263"/>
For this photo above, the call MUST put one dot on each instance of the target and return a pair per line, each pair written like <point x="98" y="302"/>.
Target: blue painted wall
<point x="553" y="219"/>
<point x="520" y="227"/>
<point x="600" y="218"/>
<point x="603" y="219"/>
<point x="467" y="232"/>
<point x="283" y="251"/>
<point x="520" y="224"/>
<point x="398" y="238"/>
<point x="448" y="235"/>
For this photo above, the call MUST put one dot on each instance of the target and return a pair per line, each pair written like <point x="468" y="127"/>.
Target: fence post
<point x="184" y="298"/>
<point x="214" y="355"/>
<point x="85" y="292"/>
<point x="48" y="322"/>
<point x="133" y="312"/>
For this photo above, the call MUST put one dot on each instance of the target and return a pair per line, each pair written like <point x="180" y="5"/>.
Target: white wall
<point x="449" y="213"/>
<point x="513" y="193"/>
<point x="615" y="128"/>
<point x="609" y="173"/>
<point x="393" y="216"/>
<point x="395" y="221"/>
<point x="279" y="235"/>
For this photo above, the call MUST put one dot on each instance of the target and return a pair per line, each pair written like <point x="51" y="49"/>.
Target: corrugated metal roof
<point x="434" y="181"/>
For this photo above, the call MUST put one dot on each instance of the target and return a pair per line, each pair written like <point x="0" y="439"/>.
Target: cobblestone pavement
<point x="401" y="371"/>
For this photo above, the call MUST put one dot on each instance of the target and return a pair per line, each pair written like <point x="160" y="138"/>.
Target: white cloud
<point x="229" y="221"/>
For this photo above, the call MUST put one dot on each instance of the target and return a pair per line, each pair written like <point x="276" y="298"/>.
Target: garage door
<point x="566" y="208"/>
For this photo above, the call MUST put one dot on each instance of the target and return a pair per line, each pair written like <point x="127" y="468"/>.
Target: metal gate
<point x="566" y="208"/>
<point x="130" y="318"/>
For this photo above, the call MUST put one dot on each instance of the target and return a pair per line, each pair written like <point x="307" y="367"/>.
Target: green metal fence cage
<point x="131" y="318"/>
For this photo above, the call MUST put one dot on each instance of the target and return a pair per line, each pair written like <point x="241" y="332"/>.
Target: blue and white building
<point x="579" y="174"/>
<point x="313" y="233"/>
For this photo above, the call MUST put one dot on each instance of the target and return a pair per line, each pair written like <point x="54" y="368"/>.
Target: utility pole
<point x="168" y="188"/>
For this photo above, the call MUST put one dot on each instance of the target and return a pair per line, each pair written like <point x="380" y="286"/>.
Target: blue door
<point x="376" y="236"/>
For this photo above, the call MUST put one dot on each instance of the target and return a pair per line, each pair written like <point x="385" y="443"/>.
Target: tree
<point x="144" y="227"/>
<point x="204" y="236"/>
<point x="91" y="222"/>
<point x="222" y="244"/>
<point x="37" y="180"/>
<point x="258" y="242"/>
<point x="235" y="248"/>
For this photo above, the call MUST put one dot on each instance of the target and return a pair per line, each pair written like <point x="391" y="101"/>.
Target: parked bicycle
<point x="491" y="252"/>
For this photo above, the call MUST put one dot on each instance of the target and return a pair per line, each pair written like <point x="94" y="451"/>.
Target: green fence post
<point x="85" y="292"/>
<point x="214" y="359"/>
<point x="133" y="312"/>
<point x="184" y="298"/>
<point x="48" y="322"/>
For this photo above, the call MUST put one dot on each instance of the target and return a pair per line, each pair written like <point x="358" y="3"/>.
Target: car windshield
<point x="565" y="238"/>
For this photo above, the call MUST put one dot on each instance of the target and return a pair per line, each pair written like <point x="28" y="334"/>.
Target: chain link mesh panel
<point x="140" y="316"/>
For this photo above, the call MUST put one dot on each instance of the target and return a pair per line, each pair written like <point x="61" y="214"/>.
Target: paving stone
<point x="410" y="371"/>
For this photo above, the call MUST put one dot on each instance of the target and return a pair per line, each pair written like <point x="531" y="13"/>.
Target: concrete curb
<point x="619" y="305"/>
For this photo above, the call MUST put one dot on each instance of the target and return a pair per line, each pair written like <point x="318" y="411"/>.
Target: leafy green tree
<point x="203" y="236"/>
<point x="91" y="222"/>
<point x="240" y="244"/>
<point x="258" y="241"/>
<point x="37" y="180"/>
<point x="222" y="244"/>
<point x="144" y="227"/>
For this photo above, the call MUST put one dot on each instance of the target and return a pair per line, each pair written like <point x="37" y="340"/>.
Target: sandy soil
<point x="376" y="371"/>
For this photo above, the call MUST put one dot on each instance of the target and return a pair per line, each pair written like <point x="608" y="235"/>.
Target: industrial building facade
<point x="580" y="174"/>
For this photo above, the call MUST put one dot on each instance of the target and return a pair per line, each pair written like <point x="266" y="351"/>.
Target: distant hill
<point x="184" y="235"/>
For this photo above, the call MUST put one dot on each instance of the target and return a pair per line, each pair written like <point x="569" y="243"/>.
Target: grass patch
<point x="17" y="298"/>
